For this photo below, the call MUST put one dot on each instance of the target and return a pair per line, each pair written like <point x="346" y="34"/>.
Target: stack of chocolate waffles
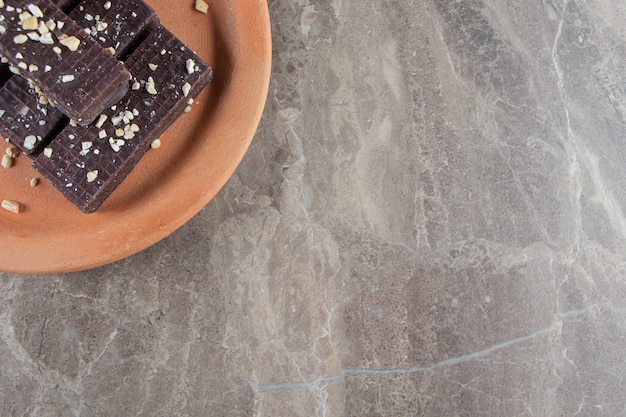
<point x="87" y="86"/>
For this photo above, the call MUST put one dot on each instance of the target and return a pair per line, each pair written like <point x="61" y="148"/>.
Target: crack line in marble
<point x="109" y="342"/>
<point x="42" y="334"/>
<point x="570" y="145"/>
<point x="261" y="388"/>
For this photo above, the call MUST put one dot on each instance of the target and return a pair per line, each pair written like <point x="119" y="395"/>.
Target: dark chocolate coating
<point x="126" y="21"/>
<point x="67" y="166"/>
<point x="64" y="5"/>
<point x="24" y="116"/>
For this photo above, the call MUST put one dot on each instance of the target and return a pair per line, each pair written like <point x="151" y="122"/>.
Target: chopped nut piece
<point x="191" y="66"/>
<point x="114" y="145"/>
<point x="43" y="27"/>
<point x="51" y="24"/>
<point x="186" y="88"/>
<point x="12" y="206"/>
<point x="34" y="36"/>
<point x="30" y="141"/>
<point x="70" y="42"/>
<point x="34" y="182"/>
<point x="12" y="152"/>
<point x="20" y="39"/>
<point x="101" y="120"/>
<point x="150" y="88"/>
<point x="30" y="23"/>
<point x="67" y="78"/>
<point x="92" y="175"/>
<point x="156" y="144"/>
<point x="35" y="10"/>
<point x="7" y="161"/>
<point x="202" y="6"/>
<point x="46" y="39"/>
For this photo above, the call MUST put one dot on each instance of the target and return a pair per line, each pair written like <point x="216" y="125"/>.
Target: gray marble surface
<point x="429" y="222"/>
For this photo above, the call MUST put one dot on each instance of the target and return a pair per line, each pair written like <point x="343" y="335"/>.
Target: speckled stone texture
<point x="430" y="222"/>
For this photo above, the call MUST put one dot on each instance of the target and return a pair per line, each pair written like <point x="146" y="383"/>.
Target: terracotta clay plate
<point x="171" y="184"/>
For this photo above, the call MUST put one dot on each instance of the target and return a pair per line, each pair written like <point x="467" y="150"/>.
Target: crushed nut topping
<point x="30" y="141"/>
<point x="92" y="175"/>
<point x="12" y="206"/>
<point x="7" y="161"/>
<point x="202" y="6"/>
<point x="150" y="87"/>
<point x="156" y="144"/>
<point x="70" y="42"/>
<point x="12" y="152"/>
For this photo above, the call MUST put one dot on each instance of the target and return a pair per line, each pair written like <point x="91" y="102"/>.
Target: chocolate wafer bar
<point x="88" y="163"/>
<point x="27" y="122"/>
<point x="5" y="74"/>
<point x="72" y="70"/>
<point x="117" y="25"/>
